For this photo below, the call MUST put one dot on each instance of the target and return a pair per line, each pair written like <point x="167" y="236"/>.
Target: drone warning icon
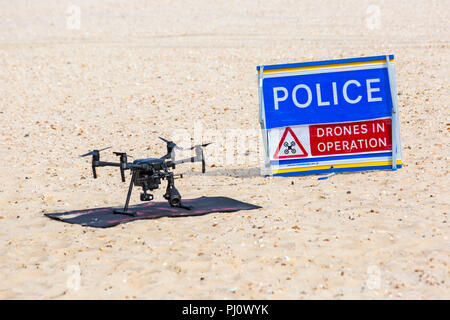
<point x="289" y="146"/>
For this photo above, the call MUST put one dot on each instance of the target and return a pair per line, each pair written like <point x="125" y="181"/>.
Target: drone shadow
<point x="236" y="173"/>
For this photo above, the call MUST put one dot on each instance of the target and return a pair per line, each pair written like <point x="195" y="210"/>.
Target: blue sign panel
<point x="329" y="116"/>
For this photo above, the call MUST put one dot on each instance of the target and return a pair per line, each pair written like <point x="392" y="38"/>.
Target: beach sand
<point x="126" y="72"/>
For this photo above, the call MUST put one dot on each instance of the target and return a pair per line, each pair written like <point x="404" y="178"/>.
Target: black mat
<point x="105" y="217"/>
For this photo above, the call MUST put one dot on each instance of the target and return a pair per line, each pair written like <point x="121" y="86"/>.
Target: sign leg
<point x="394" y="114"/>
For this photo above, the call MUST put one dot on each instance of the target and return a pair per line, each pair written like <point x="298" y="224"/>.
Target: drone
<point x="147" y="173"/>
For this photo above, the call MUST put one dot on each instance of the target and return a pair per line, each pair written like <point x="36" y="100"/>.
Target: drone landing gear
<point x="172" y="196"/>
<point x="130" y="188"/>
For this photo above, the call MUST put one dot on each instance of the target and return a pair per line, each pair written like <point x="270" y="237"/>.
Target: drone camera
<point x="175" y="200"/>
<point x="146" y="197"/>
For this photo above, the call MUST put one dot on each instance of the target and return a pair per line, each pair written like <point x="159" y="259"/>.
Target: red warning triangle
<point x="291" y="148"/>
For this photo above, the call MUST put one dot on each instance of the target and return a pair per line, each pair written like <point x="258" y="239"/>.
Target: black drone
<point x="147" y="173"/>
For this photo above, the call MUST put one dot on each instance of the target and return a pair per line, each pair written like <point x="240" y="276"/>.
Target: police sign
<point x="329" y="116"/>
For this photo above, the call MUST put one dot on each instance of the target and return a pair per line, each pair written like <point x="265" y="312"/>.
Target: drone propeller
<point x="198" y="145"/>
<point x="94" y="152"/>
<point x="170" y="144"/>
<point x="95" y="158"/>
<point x="164" y="139"/>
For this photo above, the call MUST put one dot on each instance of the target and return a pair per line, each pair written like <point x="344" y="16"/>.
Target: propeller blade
<point x="166" y="141"/>
<point x="87" y="154"/>
<point x="199" y="145"/>
<point x="119" y="153"/>
<point x="93" y="152"/>
<point x="171" y="144"/>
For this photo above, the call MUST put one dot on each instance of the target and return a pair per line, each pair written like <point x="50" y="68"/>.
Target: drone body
<point x="147" y="173"/>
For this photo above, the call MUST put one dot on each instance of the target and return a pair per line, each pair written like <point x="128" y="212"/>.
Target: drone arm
<point x="122" y="165"/>
<point x="105" y="164"/>
<point x="126" y="165"/>
<point x="197" y="158"/>
<point x="191" y="159"/>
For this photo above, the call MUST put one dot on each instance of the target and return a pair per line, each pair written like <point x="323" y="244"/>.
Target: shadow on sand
<point x="236" y="173"/>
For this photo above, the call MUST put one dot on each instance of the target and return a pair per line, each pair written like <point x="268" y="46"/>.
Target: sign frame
<point x="391" y="160"/>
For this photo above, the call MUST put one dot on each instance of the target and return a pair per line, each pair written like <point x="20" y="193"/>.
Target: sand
<point x="133" y="70"/>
